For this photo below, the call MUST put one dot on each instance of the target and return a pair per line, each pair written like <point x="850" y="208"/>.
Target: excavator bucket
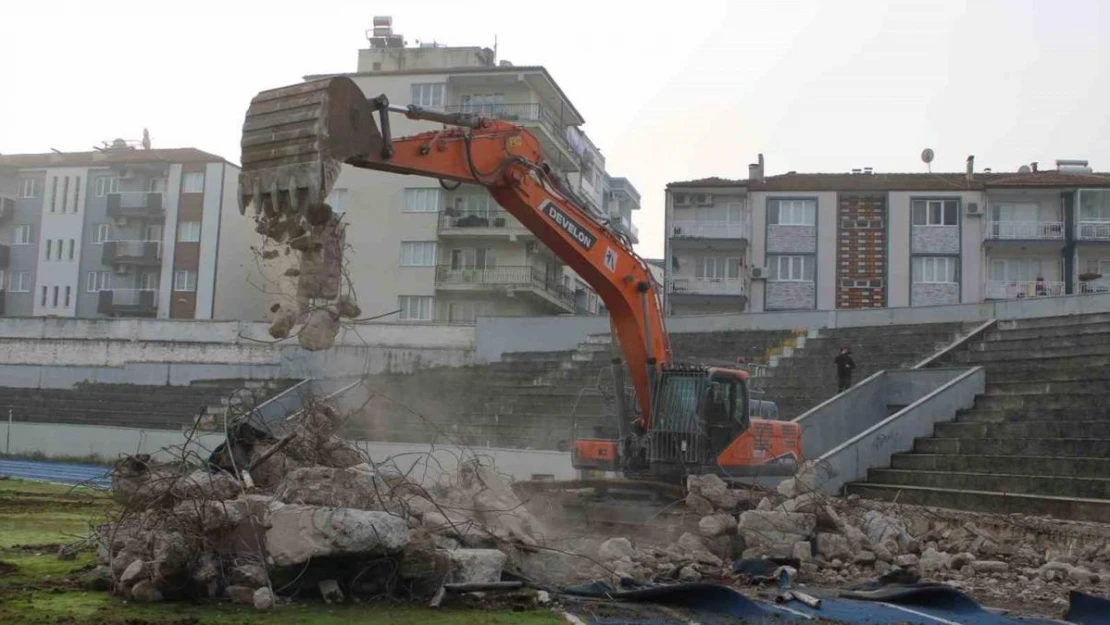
<point x="295" y="139"/>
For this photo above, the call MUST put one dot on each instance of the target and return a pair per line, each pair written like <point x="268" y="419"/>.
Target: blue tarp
<point x="58" y="472"/>
<point x="919" y="604"/>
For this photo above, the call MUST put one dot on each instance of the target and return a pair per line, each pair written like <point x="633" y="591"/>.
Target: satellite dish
<point x="1024" y="169"/>
<point x="927" y="155"/>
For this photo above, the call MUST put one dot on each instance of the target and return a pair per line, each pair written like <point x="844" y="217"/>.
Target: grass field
<point x="36" y="588"/>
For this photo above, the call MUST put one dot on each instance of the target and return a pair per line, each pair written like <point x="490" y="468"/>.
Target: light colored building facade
<point x="124" y="232"/>
<point x="872" y="240"/>
<point x="451" y="255"/>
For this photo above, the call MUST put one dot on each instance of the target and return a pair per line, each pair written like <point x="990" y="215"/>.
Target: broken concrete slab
<point x="474" y="566"/>
<point x="299" y="533"/>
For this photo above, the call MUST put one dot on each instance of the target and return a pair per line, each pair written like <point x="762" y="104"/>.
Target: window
<point x="157" y="185"/>
<point x="76" y="193"/>
<point x="792" y="212"/>
<point x="2" y="276"/>
<point x="21" y="282"/>
<point x="67" y="296"/>
<point x="55" y="304"/>
<point x="148" y="281"/>
<point x="101" y="233"/>
<point x="471" y="258"/>
<point x="45" y="290"/>
<point x="935" y="212"/>
<point x="473" y="206"/>
<point x="418" y="254"/>
<point x="152" y="233"/>
<point x="422" y="200"/>
<point x="1094" y="205"/>
<point x="65" y="194"/>
<point x="428" y="95"/>
<point x="185" y="281"/>
<point x="54" y="194"/>
<point x="1017" y="269"/>
<point x="483" y="104"/>
<point x="934" y="269"/>
<point x="415" y="307"/>
<point x="337" y="199"/>
<point x="49" y="247"/>
<point x="69" y="251"/>
<point x="97" y="281"/>
<point x="21" y="235"/>
<point x="717" y="268"/>
<point x="791" y="268"/>
<point x="106" y="185"/>
<point x="188" y="232"/>
<point x="193" y="182"/>
<point x="29" y="187"/>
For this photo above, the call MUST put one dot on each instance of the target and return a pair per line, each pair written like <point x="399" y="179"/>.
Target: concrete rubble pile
<point x="311" y="518"/>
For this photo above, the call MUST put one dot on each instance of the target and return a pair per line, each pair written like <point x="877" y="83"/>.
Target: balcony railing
<point x="128" y="301"/>
<point x="494" y="220"/>
<point x="528" y="112"/>
<point x="1011" y="289"/>
<point x="134" y="204"/>
<point x="137" y="252"/>
<point x="1094" y="286"/>
<point x="1094" y="230"/>
<point x="1025" y="230"/>
<point x="512" y="276"/>
<point x="707" y="286"/>
<point x="709" y="230"/>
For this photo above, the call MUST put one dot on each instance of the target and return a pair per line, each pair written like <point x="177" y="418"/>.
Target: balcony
<point x="1094" y="230"/>
<point x="496" y="223"/>
<point x="511" y="281"/>
<point x="1011" y="289"/>
<point x="713" y="287"/>
<point x="147" y="253"/>
<point x="1025" y="231"/>
<point x="128" y="302"/>
<point x="1091" y="287"/>
<point x="133" y="204"/>
<point x="552" y="132"/>
<point x="7" y="207"/>
<point x="715" y="230"/>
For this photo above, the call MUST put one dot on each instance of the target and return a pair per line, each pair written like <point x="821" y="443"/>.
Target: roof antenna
<point x="927" y="158"/>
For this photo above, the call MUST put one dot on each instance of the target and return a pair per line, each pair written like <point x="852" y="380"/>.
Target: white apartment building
<point x="452" y="255"/>
<point x="865" y="239"/>
<point x="125" y="232"/>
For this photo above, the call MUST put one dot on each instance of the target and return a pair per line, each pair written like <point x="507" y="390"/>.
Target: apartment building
<point x="450" y="255"/>
<point x="866" y="239"/>
<point x="124" y="232"/>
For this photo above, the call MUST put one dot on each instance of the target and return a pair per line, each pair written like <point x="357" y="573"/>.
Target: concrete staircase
<point x="807" y="376"/>
<point x="1036" y="442"/>
<point x="126" y="405"/>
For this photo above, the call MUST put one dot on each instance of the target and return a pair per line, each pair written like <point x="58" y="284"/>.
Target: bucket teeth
<point x="295" y="141"/>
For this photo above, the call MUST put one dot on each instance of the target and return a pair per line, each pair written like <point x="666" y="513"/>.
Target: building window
<point x="69" y="250"/>
<point x="1094" y="205"/>
<point x="792" y="212"/>
<point x="337" y="199"/>
<point x="791" y="268"/>
<point x="188" y="232"/>
<point x="428" y="95"/>
<point x="422" y="200"/>
<point x="935" y="269"/>
<point x="20" y="282"/>
<point x="474" y="206"/>
<point x="157" y="185"/>
<point x="193" y="182"/>
<point x="149" y="281"/>
<point x="185" y="281"/>
<point x="101" y="234"/>
<point x="935" y="212"/>
<point x="418" y="253"/>
<point x="717" y="268"/>
<point x="106" y="185"/>
<point x="29" y="187"/>
<point x="473" y="258"/>
<point x="1017" y="269"/>
<point x="152" y="233"/>
<point x="21" y="235"/>
<point x="67" y="296"/>
<point x="55" y="305"/>
<point x="44" y="292"/>
<point x="416" y="307"/>
<point x="97" y="281"/>
<point x="54" y="194"/>
<point x="49" y="247"/>
<point x="76" y="193"/>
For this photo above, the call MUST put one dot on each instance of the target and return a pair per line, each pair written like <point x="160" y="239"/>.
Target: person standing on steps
<point x="844" y="367"/>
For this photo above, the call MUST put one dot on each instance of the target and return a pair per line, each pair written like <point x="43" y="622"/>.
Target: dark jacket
<point x="844" y="365"/>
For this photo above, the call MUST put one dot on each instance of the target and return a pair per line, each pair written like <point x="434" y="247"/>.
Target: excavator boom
<point x="296" y="139"/>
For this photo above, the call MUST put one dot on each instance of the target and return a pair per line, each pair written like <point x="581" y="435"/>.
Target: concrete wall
<point x="872" y="447"/>
<point x="498" y="335"/>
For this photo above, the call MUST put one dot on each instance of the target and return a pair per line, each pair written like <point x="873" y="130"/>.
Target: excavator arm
<point x="295" y="140"/>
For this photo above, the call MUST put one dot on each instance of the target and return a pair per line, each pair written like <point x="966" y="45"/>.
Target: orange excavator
<point x="679" y="420"/>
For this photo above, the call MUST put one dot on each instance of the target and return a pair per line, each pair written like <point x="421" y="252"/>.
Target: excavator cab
<point x="702" y="424"/>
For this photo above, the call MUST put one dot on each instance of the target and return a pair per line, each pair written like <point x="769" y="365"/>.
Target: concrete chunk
<point x="474" y="566"/>
<point x="299" y="533"/>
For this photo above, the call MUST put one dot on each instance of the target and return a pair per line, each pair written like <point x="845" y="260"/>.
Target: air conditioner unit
<point x="973" y="208"/>
<point x="758" y="273"/>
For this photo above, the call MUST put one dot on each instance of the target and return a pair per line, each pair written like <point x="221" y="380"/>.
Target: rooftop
<point x="904" y="181"/>
<point x="107" y="157"/>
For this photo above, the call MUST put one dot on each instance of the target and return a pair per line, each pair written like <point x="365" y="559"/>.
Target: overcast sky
<point x="695" y="91"/>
